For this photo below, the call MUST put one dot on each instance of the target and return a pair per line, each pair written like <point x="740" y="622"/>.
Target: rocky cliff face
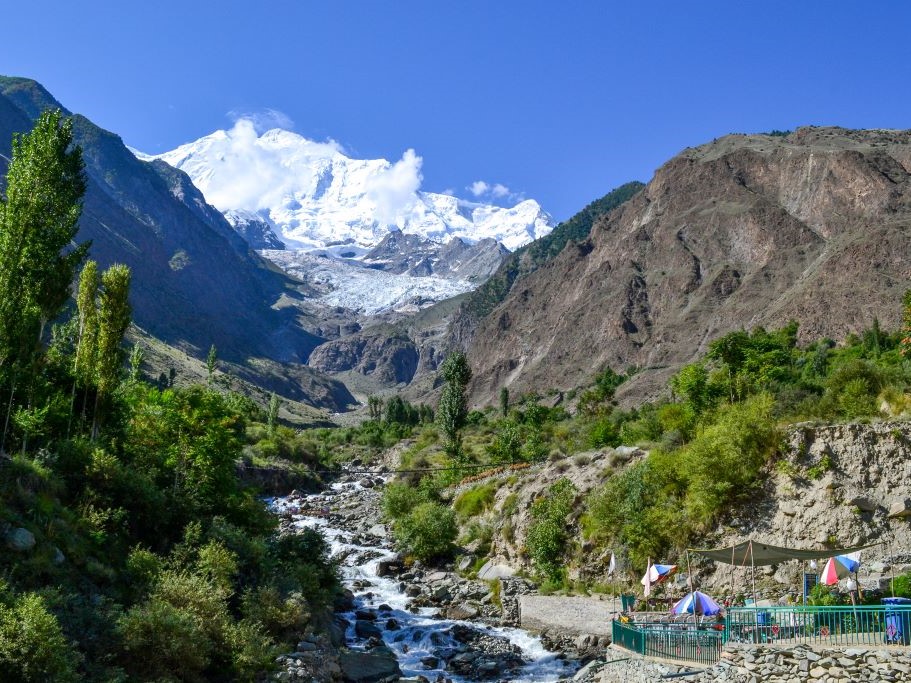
<point x="837" y="486"/>
<point x="744" y="231"/>
<point x="456" y="260"/>
<point x="391" y="360"/>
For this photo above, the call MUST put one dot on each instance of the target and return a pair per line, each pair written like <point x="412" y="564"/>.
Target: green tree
<point x="274" y="404"/>
<point x="211" y="363"/>
<point x="427" y="531"/>
<point x="113" y="319"/>
<point x="453" y="406"/>
<point x="38" y="224"/>
<point x="137" y="356"/>
<point x="87" y="335"/>
<point x="375" y="408"/>
<point x="504" y="401"/>
<point x="692" y="384"/>
<point x="547" y="534"/>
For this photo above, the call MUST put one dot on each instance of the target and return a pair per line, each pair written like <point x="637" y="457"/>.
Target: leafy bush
<point x="603" y="432"/>
<point x="474" y="501"/>
<point x="546" y="539"/>
<point x="427" y="531"/>
<point x="32" y="646"/>
<point x="400" y="498"/>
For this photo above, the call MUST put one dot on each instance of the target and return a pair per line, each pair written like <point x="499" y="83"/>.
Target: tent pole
<point x="804" y="582"/>
<point x="733" y="568"/>
<point x="753" y="571"/>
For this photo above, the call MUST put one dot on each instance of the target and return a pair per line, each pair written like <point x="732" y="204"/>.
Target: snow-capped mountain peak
<point x="317" y="197"/>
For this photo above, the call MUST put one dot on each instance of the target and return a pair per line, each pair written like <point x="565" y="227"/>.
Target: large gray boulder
<point x="20" y="540"/>
<point x="491" y="570"/>
<point x="376" y="666"/>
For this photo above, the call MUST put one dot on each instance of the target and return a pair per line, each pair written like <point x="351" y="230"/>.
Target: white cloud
<point x="500" y="190"/>
<point x="478" y="188"/>
<point x="394" y="190"/>
<point x="253" y="174"/>
<point x="264" y="119"/>
<point x="481" y="188"/>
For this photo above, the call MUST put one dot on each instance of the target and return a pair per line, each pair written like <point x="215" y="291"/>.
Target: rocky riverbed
<point x="403" y="622"/>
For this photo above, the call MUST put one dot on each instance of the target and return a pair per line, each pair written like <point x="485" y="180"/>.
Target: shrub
<point x="284" y="618"/>
<point x="218" y="565"/>
<point x="547" y="535"/>
<point x="399" y="499"/>
<point x="476" y="500"/>
<point x="603" y="432"/>
<point x="161" y="641"/>
<point x="32" y="646"/>
<point x="427" y="531"/>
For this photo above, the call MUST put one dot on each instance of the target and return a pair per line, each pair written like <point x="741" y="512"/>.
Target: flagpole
<point x="689" y="573"/>
<point x="648" y="582"/>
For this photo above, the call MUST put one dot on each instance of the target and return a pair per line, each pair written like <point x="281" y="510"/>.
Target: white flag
<point x="612" y="565"/>
<point x="647" y="580"/>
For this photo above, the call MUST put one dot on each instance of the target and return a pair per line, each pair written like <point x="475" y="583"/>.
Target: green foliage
<point x="274" y="404"/>
<point x="824" y="465"/>
<point x="658" y="504"/>
<point x="603" y="432"/>
<point x="547" y="534"/>
<point x="211" y="363"/>
<point x="506" y="446"/>
<point x="905" y="344"/>
<point x="474" y="501"/>
<point x="453" y="405"/>
<point x="32" y="647"/>
<point x="87" y="345"/>
<point x="504" y="401"/>
<point x="38" y="224"/>
<point x="400" y="498"/>
<point x="902" y="585"/>
<point x="427" y="531"/>
<point x="822" y="595"/>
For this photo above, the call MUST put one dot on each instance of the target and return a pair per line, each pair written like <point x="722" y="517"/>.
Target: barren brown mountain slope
<point x="744" y="231"/>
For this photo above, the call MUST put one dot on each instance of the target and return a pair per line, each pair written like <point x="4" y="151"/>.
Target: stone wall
<point x="758" y="664"/>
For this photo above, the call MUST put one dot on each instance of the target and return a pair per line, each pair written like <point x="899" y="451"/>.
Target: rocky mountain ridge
<point x="195" y="281"/>
<point x="746" y="230"/>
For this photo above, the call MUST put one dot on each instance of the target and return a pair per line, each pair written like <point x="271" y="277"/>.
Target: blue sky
<point x="560" y="102"/>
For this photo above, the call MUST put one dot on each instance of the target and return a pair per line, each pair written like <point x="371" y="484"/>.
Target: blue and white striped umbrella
<point x="697" y="602"/>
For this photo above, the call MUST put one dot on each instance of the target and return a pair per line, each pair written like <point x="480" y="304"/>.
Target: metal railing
<point x="824" y="625"/>
<point x="700" y="641"/>
<point x="686" y="643"/>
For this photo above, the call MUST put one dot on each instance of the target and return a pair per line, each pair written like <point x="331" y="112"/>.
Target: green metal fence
<point x="825" y="625"/>
<point x="686" y="643"/>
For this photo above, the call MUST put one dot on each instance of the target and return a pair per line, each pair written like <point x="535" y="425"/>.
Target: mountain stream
<point x="385" y="612"/>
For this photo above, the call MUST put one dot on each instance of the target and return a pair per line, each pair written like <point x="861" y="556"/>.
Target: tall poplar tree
<point x="453" y="406"/>
<point x="38" y="223"/>
<point x="113" y="319"/>
<point x="87" y="335"/>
